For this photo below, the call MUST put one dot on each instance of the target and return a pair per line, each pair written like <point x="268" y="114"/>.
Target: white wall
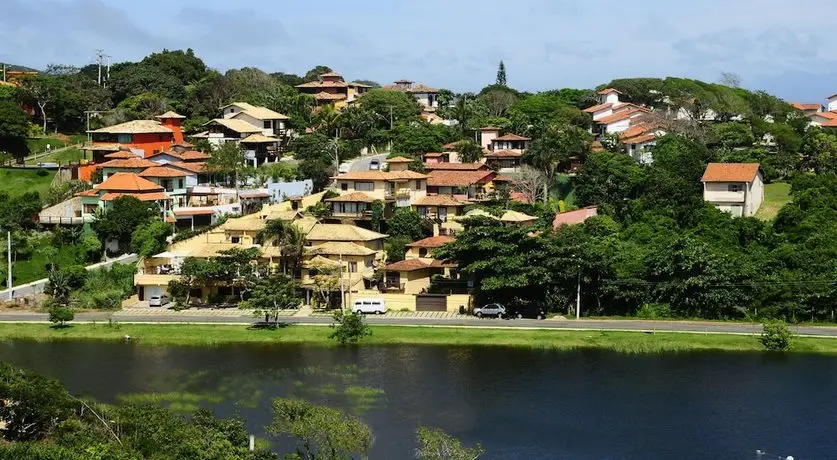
<point x="486" y="137"/>
<point x="755" y="195"/>
<point x="619" y="126"/>
<point x="832" y="104"/>
<point x="611" y="98"/>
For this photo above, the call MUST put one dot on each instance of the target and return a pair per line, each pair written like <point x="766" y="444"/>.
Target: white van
<point x="367" y="305"/>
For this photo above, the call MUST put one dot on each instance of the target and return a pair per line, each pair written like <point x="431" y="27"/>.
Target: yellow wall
<point x="398" y="302"/>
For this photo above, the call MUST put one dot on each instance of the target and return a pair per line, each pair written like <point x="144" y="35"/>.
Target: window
<point x="419" y="184"/>
<point x="422" y="210"/>
<point x="352" y="267"/>
<point x="364" y="186"/>
<point x="235" y="239"/>
<point x="179" y="183"/>
<point x="124" y="138"/>
<point x="734" y="188"/>
<point x="369" y="263"/>
<point x="266" y="124"/>
<point x="344" y="186"/>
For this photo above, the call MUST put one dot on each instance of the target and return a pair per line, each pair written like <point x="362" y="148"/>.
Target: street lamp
<point x="578" y="288"/>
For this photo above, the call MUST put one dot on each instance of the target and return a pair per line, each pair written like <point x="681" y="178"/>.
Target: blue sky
<point x="784" y="47"/>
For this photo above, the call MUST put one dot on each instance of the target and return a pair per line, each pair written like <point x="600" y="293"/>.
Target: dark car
<point x="531" y="311"/>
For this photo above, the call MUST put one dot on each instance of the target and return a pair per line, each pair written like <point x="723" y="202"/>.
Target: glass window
<point x="364" y="186"/>
<point x="352" y="267"/>
<point x="266" y="124"/>
<point x="734" y="187"/>
<point x="124" y="138"/>
<point x="344" y="186"/>
<point x="179" y="183"/>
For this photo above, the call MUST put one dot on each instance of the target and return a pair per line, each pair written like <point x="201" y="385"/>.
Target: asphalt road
<point x="362" y="163"/>
<point x="588" y="325"/>
<point x="36" y="287"/>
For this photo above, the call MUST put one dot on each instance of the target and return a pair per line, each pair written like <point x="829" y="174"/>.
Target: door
<point x="431" y="302"/>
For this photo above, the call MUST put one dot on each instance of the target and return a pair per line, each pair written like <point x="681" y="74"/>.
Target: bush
<point x="350" y="328"/>
<point x="776" y="336"/>
<point x="654" y="311"/>
<point x="60" y="316"/>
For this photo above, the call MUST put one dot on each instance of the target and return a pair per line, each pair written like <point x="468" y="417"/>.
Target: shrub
<point x="776" y="336"/>
<point x="60" y="316"/>
<point x="350" y="328"/>
<point x="654" y="311"/>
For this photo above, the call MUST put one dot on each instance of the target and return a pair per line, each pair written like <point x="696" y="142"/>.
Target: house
<point x="439" y="207"/>
<point x="427" y="97"/>
<point x="261" y="132"/>
<point x="272" y="123"/>
<point x="175" y="156"/>
<point x="123" y="184"/>
<point x="224" y="130"/>
<point x="354" y="206"/>
<point x="736" y="188"/>
<point x="448" y="166"/>
<point x="822" y="118"/>
<point x="437" y="157"/>
<point x="807" y="109"/>
<point x="130" y="165"/>
<point x="462" y="184"/>
<point x="145" y="137"/>
<point x="400" y="187"/>
<point x="399" y="163"/>
<point x="174" y="181"/>
<point x="574" y="217"/>
<point x="415" y="274"/>
<point x="639" y="139"/>
<point x="331" y="89"/>
<point x="831" y="105"/>
<point x="504" y="160"/>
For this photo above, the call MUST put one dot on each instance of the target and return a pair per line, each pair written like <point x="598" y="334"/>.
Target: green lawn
<point x="38" y="144"/>
<point x="776" y="195"/>
<point x="18" y="181"/>
<point x="35" y="267"/>
<point x="215" y="335"/>
<point x="71" y="155"/>
<point x="564" y="190"/>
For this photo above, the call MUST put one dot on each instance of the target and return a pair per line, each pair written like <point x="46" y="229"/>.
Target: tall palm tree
<point x="289" y="239"/>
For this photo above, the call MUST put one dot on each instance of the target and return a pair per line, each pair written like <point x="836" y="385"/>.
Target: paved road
<point x="589" y="325"/>
<point x="362" y="163"/>
<point x="36" y="287"/>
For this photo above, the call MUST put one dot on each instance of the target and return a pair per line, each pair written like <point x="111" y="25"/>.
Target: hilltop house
<point x="427" y="97"/>
<point x="736" y="188"/>
<point x="259" y="131"/>
<point x="123" y="184"/>
<point x="143" y="137"/>
<point x="331" y="89"/>
<point x="400" y="187"/>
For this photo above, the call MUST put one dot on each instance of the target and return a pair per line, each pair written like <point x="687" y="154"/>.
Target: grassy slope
<point x="71" y="155"/>
<point x="18" y="181"/>
<point x="564" y="190"/>
<point x="35" y="267"/>
<point x="776" y="195"/>
<point x="212" y="335"/>
<point x="38" y="144"/>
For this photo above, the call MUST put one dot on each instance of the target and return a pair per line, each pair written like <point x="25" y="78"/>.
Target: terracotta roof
<point x="438" y="200"/>
<point x="826" y="115"/>
<point x="730" y="172"/>
<point x="195" y="167"/>
<point x="399" y="160"/>
<point x="170" y="114"/>
<point x="239" y="126"/>
<point x="504" y="154"/>
<point x="434" y="154"/>
<point x="259" y="138"/>
<point x="127" y="182"/>
<point x="419" y="88"/>
<point x="597" y="108"/>
<point x="153" y="196"/>
<point x="458" y="178"/>
<point x="447" y="166"/>
<point x="345" y="248"/>
<point x="324" y="96"/>
<point x="262" y="113"/>
<point x="324" y="84"/>
<point x="193" y="212"/>
<point x="340" y="232"/>
<point x="574" y="217"/>
<point x="520" y="197"/>
<point x="135" y="127"/>
<point x="805" y="106"/>
<point x="512" y="137"/>
<point x="121" y="155"/>
<point x="830" y="123"/>
<point x="381" y="175"/>
<point x="194" y="155"/>
<point x="162" y="171"/>
<point x="183" y="144"/>
<point x="451" y="145"/>
<point x="129" y="163"/>
<point x="408" y="265"/>
<point x="171" y="154"/>
<point x="356" y="197"/>
<point x="623" y="115"/>
<point x="103" y="146"/>
<point x="608" y="91"/>
<point x="635" y="130"/>
<point x="640" y="139"/>
<point x="432" y="242"/>
<point x="91" y="192"/>
<point x="503" y="178"/>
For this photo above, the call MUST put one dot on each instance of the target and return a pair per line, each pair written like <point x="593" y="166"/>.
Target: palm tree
<point x="289" y="239"/>
<point x="554" y="150"/>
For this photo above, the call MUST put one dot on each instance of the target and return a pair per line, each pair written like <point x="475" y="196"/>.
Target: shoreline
<point x="535" y="339"/>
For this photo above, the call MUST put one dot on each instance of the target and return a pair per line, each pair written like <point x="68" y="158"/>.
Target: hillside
<point x="17" y="68"/>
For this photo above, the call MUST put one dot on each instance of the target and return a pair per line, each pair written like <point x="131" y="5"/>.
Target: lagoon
<point x="519" y="403"/>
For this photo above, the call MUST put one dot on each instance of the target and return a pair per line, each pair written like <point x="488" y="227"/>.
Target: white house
<point x="831" y="105"/>
<point x="426" y="96"/>
<point x="736" y="188"/>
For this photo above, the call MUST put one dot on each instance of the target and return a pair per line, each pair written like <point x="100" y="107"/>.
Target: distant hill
<point x="16" y="68"/>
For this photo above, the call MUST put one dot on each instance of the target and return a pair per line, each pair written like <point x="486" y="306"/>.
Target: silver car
<point x="492" y="310"/>
<point x="158" y="300"/>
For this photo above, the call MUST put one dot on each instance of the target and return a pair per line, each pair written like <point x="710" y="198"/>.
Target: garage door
<point x="431" y="302"/>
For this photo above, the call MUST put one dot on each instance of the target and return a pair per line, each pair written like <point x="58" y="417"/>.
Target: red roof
<point x="504" y="154"/>
<point x="128" y="182"/>
<point x="129" y="163"/>
<point x="597" y="108"/>
<point x="459" y="178"/>
<point x="574" y="217"/>
<point x="120" y="155"/>
<point x="192" y="167"/>
<point x="432" y="242"/>
<point x="511" y="137"/>
<point x="609" y="90"/>
<point x="805" y="106"/>
<point x="162" y="171"/>
<point x="623" y="115"/>
<point x="154" y="196"/>
<point x="730" y="172"/>
<point x="447" y="166"/>
<point x="520" y="197"/>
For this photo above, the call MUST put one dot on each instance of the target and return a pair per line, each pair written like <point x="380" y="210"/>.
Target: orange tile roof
<point x="598" y="107"/>
<point x="512" y="137"/>
<point x="196" y="167"/>
<point x="608" y="91"/>
<point x="399" y="160"/>
<point x="162" y="171"/>
<point x="91" y="192"/>
<point x="171" y="154"/>
<point x="438" y="200"/>
<point x="432" y="242"/>
<point x="830" y="123"/>
<point x="451" y="145"/>
<point x="730" y="172"/>
<point x="190" y="155"/>
<point x="623" y="115"/>
<point x="408" y="265"/>
<point x="434" y="154"/>
<point x="381" y="175"/>
<point x="120" y="155"/>
<point x="504" y="154"/>
<point x="459" y="178"/>
<point x="635" y="130"/>
<point x="127" y="182"/>
<point x="574" y="217"/>
<point x="129" y="163"/>
<point x="447" y="166"/>
<point x="520" y="197"/>
<point x="154" y="196"/>
<point x="329" y="96"/>
<point x="826" y="115"/>
<point x="805" y="106"/>
<point x="357" y="197"/>
<point x="640" y="139"/>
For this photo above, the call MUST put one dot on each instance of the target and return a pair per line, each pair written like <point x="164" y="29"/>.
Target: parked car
<point x="532" y="311"/>
<point x="371" y="306"/>
<point x="374" y="165"/>
<point x="492" y="310"/>
<point x="158" y="300"/>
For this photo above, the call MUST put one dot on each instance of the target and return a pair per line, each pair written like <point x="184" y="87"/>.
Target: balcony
<point x="352" y="214"/>
<point x="402" y="193"/>
<point x="392" y="285"/>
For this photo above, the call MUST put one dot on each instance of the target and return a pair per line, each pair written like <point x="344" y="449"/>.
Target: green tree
<point x="377" y="214"/>
<point x="418" y="138"/>
<point x="776" y="336"/>
<point x="125" y="215"/>
<point x="383" y="103"/>
<point x="501" y="74"/>
<point x="349" y="328"/>
<point x="150" y="239"/>
<point x="289" y="239"/>
<point x="270" y="295"/>
<point x="40" y="404"/>
<point x="608" y="178"/>
<point x="554" y="151"/>
<point x="228" y="159"/>
<point x="315" y="73"/>
<point x="469" y="151"/>
<point x="435" y="444"/>
<point x="61" y="315"/>
<point x="321" y="433"/>
<point x="63" y="281"/>
<point x="14" y="126"/>
<point x="406" y="223"/>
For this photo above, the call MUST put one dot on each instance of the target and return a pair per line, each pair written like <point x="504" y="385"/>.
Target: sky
<point x="787" y="48"/>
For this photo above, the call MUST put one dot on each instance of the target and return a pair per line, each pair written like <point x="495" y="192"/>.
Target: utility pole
<point x="100" y="59"/>
<point x="578" y="298"/>
<point x="4" y="72"/>
<point x="342" y="292"/>
<point x="9" y="256"/>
